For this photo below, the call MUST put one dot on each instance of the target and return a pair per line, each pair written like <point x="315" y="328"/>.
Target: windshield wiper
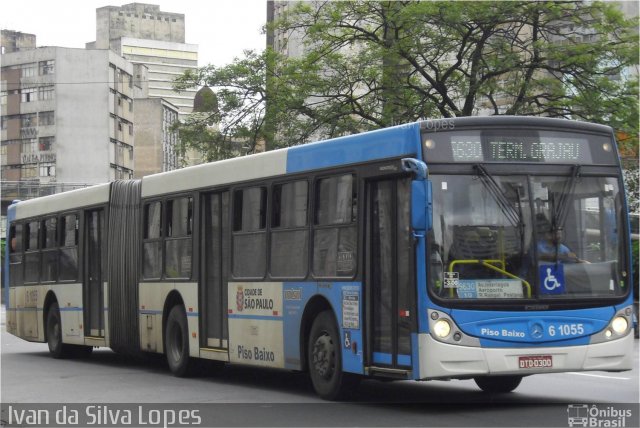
<point x="561" y="209"/>
<point x="513" y="215"/>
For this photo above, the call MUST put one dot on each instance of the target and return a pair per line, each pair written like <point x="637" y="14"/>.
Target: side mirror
<point x="421" y="206"/>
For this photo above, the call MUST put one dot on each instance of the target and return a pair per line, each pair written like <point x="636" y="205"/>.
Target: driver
<point x="550" y="246"/>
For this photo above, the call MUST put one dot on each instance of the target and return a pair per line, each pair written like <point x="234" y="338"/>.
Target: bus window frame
<point x="279" y="229"/>
<point x="354" y="222"/>
<point x="62" y="246"/>
<point x="44" y="249"/>
<point x="260" y="231"/>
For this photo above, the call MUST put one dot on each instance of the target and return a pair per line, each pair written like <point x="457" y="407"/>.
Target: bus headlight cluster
<point x="619" y="325"/>
<point x="442" y="328"/>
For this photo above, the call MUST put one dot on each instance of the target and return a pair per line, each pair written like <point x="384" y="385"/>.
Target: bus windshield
<point x="506" y="237"/>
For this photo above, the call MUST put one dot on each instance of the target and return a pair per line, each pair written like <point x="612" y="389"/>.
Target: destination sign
<point x="532" y="146"/>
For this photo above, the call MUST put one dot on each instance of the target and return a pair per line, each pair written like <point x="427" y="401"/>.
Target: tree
<point x="369" y="65"/>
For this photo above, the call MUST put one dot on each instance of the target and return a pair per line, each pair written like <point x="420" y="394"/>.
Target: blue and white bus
<point x="471" y="248"/>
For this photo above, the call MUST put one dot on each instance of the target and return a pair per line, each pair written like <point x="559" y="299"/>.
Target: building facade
<point x="155" y="148"/>
<point x="64" y="126"/>
<point x="14" y="41"/>
<point x="147" y="36"/>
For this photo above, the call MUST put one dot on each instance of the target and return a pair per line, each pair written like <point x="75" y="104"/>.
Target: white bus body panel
<point x="153" y="296"/>
<point x="442" y="360"/>
<point x="235" y="170"/>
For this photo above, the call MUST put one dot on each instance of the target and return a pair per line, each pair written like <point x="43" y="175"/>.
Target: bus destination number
<point x="566" y="330"/>
<point x="535" y="362"/>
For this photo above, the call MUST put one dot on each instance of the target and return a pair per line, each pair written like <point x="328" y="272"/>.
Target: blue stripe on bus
<point x="404" y="360"/>
<point x="256" y="317"/>
<point x="70" y="309"/>
<point x="382" y="358"/>
<point x="403" y="140"/>
<point x="25" y="309"/>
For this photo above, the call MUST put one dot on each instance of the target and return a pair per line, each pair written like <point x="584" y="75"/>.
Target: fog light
<point x="619" y="325"/>
<point x="607" y="333"/>
<point x="442" y="328"/>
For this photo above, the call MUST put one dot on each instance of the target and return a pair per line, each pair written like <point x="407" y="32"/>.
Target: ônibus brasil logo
<point x="583" y="415"/>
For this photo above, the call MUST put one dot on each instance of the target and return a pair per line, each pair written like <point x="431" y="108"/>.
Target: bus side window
<point x="335" y="233"/>
<point x="178" y="246"/>
<point x="15" y="254"/>
<point x="49" y="264"/>
<point x="249" y="233"/>
<point x="32" y="252"/>
<point x="68" y="261"/>
<point x="290" y="230"/>
<point x="152" y="247"/>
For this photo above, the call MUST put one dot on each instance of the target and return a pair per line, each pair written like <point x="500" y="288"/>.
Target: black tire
<point x="498" y="384"/>
<point x="324" y="357"/>
<point x="54" y="333"/>
<point x="176" y="343"/>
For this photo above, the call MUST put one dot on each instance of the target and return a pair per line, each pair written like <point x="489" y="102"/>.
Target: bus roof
<point x="60" y="202"/>
<point x="352" y="149"/>
<point x="507" y="121"/>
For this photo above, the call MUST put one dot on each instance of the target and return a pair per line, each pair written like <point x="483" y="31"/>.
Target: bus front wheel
<point x="325" y="360"/>
<point x="176" y="343"/>
<point x="498" y="384"/>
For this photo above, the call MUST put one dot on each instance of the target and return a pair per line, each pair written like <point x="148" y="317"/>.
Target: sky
<point x="222" y="29"/>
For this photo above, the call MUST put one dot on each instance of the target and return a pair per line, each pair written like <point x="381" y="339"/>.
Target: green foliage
<point x="372" y="64"/>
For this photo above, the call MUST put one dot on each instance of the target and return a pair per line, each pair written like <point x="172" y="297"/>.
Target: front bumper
<point x="442" y="360"/>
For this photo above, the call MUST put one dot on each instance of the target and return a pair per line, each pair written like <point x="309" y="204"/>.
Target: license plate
<point x="535" y="362"/>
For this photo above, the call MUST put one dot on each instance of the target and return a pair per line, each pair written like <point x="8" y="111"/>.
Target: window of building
<point x="249" y="232"/>
<point x="29" y="147"/>
<point x="47" y="169"/>
<point x="47" y="67"/>
<point x="28" y="120"/>
<point x="28" y="171"/>
<point x="289" y="230"/>
<point x="46" y="118"/>
<point x="28" y="70"/>
<point x="45" y="144"/>
<point x="178" y="250"/>
<point x="28" y="95"/>
<point x="335" y="234"/>
<point x="46" y="93"/>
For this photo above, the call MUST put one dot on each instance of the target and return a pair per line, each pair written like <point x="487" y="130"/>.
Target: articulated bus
<point x="472" y="248"/>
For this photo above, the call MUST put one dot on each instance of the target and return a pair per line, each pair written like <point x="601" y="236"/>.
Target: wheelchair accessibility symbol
<point x="551" y="279"/>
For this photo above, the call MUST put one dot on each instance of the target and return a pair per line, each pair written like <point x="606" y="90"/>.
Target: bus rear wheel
<point x="54" y="333"/>
<point x="498" y="384"/>
<point x="325" y="360"/>
<point x="176" y="343"/>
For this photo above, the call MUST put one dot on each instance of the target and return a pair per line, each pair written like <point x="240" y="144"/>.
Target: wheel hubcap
<point x="176" y="344"/>
<point x="324" y="356"/>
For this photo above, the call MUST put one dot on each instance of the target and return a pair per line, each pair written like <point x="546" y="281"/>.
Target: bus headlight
<point x="442" y="328"/>
<point x="619" y="325"/>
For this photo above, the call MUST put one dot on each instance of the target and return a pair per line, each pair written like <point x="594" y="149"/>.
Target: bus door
<point x="93" y="293"/>
<point x="390" y="286"/>
<point x="215" y="265"/>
